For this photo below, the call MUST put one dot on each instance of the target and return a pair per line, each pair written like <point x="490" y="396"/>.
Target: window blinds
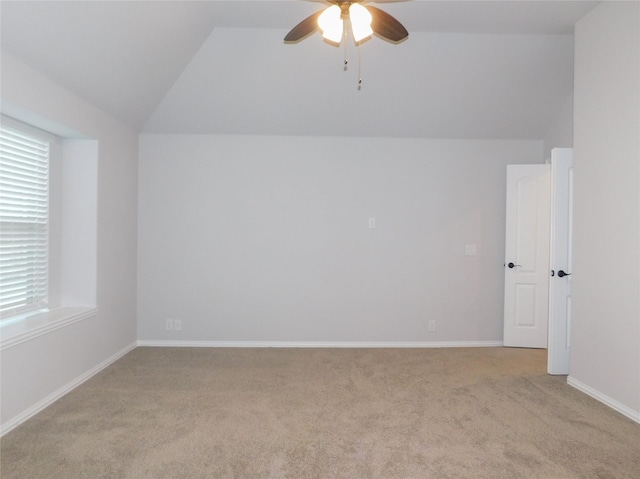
<point x="24" y="211"/>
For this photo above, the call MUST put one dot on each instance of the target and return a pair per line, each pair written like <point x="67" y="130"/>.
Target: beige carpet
<point x="325" y="413"/>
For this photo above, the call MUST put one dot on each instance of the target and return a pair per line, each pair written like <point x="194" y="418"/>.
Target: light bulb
<point x="360" y="22"/>
<point x="331" y="24"/>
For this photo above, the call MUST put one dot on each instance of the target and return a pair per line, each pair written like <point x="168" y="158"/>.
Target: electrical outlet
<point x="168" y="324"/>
<point x="177" y="325"/>
<point x="431" y="325"/>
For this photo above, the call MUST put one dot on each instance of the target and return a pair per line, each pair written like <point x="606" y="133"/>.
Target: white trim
<point x="51" y="398"/>
<point x="318" y="344"/>
<point x="19" y="330"/>
<point x="603" y="398"/>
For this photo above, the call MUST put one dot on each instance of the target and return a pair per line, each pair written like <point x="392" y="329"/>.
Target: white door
<point x="560" y="282"/>
<point x="526" y="277"/>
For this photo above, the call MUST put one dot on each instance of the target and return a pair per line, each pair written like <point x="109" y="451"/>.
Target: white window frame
<point x="27" y="161"/>
<point x="72" y="238"/>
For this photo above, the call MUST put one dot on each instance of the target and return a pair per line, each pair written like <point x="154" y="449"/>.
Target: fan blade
<point x="386" y="26"/>
<point x="303" y="29"/>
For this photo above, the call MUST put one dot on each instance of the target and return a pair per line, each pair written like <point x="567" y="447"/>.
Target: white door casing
<point x="559" y="355"/>
<point x="526" y="298"/>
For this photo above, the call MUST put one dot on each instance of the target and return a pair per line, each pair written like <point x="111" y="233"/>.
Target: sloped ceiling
<point x="473" y="69"/>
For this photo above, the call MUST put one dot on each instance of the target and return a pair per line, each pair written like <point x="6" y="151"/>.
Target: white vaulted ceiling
<point x="473" y="69"/>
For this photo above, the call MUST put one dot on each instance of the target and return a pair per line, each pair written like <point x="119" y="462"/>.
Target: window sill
<point x="29" y="326"/>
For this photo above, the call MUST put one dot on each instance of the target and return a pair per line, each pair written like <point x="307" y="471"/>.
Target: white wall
<point x="605" y="358"/>
<point x="253" y="238"/>
<point x="38" y="370"/>
<point x="435" y="85"/>
<point x="559" y="133"/>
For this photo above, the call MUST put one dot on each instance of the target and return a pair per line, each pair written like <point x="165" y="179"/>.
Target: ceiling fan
<point x="363" y="20"/>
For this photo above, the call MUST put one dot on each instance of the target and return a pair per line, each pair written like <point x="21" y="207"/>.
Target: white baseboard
<point x="319" y="344"/>
<point x="51" y="398"/>
<point x="603" y="398"/>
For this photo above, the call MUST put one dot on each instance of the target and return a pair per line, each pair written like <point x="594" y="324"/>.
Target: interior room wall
<point x="559" y="133"/>
<point x="267" y="239"/>
<point x="605" y="360"/>
<point x="39" y="370"/>
<point x="436" y="85"/>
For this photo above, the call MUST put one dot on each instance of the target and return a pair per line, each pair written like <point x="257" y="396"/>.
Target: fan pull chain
<point x="346" y="62"/>
<point x="344" y="40"/>
<point x="359" y="69"/>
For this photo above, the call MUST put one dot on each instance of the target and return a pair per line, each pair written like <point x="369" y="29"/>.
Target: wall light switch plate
<point x="372" y="222"/>
<point x="470" y="250"/>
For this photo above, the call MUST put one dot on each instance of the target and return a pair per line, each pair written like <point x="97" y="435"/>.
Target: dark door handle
<point x="511" y="265"/>
<point x="562" y="274"/>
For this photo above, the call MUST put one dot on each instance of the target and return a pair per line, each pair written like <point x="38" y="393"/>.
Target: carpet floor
<point x="163" y="413"/>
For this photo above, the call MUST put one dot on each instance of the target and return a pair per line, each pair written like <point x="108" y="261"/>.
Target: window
<point x="24" y="218"/>
<point x="48" y="228"/>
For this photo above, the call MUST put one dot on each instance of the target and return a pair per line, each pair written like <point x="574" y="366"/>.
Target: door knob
<point x="511" y="265"/>
<point x="562" y="274"/>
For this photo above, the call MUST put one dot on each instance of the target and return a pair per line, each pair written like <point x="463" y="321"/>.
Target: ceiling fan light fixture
<point x="331" y="24"/>
<point x="361" y="20"/>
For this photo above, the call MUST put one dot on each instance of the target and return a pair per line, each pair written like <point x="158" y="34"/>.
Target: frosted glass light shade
<point x="331" y="24"/>
<point x="360" y="22"/>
